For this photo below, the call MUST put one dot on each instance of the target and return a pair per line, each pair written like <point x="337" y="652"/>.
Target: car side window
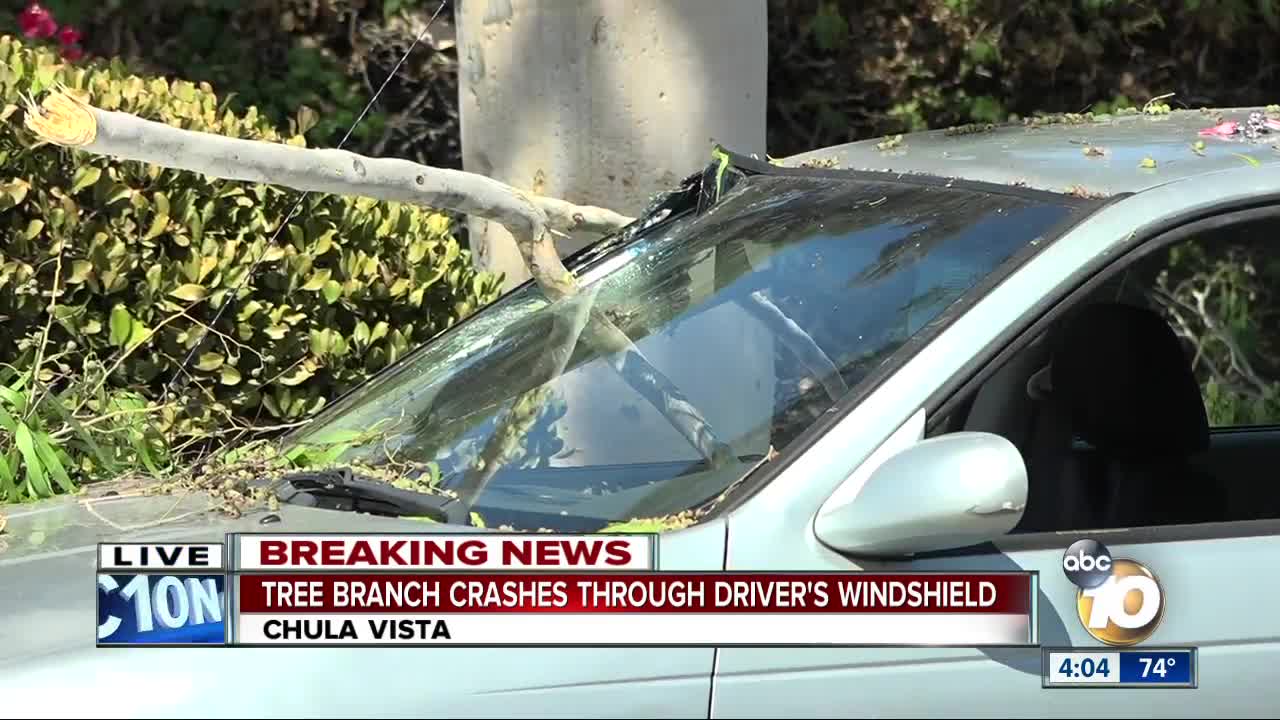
<point x="1221" y="295"/>
<point x="1155" y="400"/>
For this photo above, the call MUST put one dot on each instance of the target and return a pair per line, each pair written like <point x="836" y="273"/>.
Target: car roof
<point x="1049" y="153"/>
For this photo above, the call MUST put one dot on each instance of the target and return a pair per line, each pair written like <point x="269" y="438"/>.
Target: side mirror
<point x="947" y="492"/>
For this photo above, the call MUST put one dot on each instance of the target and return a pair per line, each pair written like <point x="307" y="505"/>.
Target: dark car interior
<point x="1111" y="419"/>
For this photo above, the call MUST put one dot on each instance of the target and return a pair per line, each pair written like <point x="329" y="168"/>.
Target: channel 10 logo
<point x="1119" y="601"/>
<point x="141" y="609"/>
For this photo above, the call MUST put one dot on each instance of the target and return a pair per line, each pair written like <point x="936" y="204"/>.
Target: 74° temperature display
<point x="1148" y="667"/>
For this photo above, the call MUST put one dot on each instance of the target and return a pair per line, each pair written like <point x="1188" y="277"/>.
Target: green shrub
<point x="143" y="258"/>
<point x="45" y="449"/>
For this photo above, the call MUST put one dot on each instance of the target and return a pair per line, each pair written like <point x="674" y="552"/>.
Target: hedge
<point x="143" y="258"/>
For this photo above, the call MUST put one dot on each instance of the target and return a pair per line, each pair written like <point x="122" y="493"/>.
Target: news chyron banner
<point x="494" y="589"/>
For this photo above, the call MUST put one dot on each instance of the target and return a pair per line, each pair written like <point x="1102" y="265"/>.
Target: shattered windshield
<point x="738" y="328"/>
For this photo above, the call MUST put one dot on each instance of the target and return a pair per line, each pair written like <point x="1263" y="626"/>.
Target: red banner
<point x="664" y="592"/>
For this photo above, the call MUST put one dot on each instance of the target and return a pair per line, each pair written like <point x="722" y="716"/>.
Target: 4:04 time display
<point x="1085" y="667"/>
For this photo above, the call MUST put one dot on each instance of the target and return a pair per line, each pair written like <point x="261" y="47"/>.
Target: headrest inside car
<point x="1122" y="374"/>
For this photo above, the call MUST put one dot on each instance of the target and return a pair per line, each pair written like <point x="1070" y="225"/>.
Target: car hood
<point x="50" y="666"/>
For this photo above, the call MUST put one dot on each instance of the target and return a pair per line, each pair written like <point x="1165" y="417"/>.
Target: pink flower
<point x="37" y="22"/>
<point x="72" y="53"/>
<point x="1226" y="129"/>
<point x="68" y="35"/>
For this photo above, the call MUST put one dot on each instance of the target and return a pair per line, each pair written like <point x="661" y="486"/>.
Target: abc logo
<point x="1119" y="602"/>
<point x="1087" y="563"/>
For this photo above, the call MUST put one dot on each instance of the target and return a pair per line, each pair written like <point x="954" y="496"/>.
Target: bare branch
<point x="64" y="119"/>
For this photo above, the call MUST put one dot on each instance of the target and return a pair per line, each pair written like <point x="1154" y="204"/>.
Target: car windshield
<point x="746" y="322"/>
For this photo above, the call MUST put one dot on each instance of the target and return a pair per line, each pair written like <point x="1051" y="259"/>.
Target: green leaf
<point x="138" y="334"/>
<point x="7" y="421"/>
<point x="121" y="325"/>
<point x="184" y="91"/>
<point x="317" y="280"/>
<point x="297" y="377"/>
<point x="8" y="484"/>
<point x="417" y="251"/>
<point x="207" y="265"/>
<point x="229" y="375"/>
<point x="248" y="310"/>
<point x="44" y="78"/>
<point x="190" y="292"/>
<point x="324" y="243"/>
<point x="80" y="271"/>
<point x="15" y="191"/>
<point x="159" y="224"/>
<point x="153" y="278"/>
<point x="319" y="342"/>
<point x="16" y="399"/>
<point x="117" y="192"/>
<point x="34" y="228"/>
<point x="37" y="483"/>
<point x="210" y="361"/>
<point x="84" y="177"/>
<point x="50" y="459"/>
<point x="332" y="291"/>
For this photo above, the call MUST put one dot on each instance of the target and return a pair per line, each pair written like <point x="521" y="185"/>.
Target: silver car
<point x="964" y="350"/>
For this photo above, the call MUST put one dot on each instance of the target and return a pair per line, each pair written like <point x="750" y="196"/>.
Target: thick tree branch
<point x="65" y="120"/>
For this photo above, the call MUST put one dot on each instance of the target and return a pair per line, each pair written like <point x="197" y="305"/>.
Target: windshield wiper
<point x="342" y="489"/>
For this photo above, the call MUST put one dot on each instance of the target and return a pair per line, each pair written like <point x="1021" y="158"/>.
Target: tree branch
<point x="64" y="119"/>
<point x="566" y="216"/>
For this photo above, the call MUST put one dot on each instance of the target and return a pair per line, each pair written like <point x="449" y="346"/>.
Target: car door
<point x="1213" y="577"/>
<point x="1216" y="599"/>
